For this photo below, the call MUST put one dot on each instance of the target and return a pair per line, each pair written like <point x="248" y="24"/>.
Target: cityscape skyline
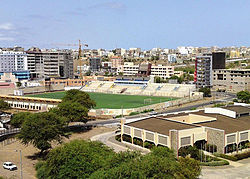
<point x="124" y="24"/>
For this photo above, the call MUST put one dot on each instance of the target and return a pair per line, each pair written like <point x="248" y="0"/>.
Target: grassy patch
<point x="111" y="101"/>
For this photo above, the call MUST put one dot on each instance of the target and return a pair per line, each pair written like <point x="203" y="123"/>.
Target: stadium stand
<point x="139" y="86"/>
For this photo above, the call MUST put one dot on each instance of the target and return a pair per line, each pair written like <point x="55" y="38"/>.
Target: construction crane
<point x="79" y="52"/>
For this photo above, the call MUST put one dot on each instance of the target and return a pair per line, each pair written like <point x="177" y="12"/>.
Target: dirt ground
<point x="11" y="152"/>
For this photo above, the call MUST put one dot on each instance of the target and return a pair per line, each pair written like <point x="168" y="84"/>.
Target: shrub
<point x="118" y="116"/>
<point x="229" y="157"/>
<point x="211" y="148"/>
<point x="133" y="113"/>
<point x="242" y="155"/>
<point x="235" y="100"/>
<point x="126" y="138"/>
<point x="219" y="105"/>
<point x="147" y="110"/>
<point x="215" y="163"/>
<point x="149" y="145"/>
<point x="189" y="150"/>
<point x="118" y="138"/>
<point x="138" y="142"/>
<point x="208" y="158"/>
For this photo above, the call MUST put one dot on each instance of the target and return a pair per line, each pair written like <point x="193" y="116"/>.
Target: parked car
<point x="153" y="113"/>
<point x="9" y="166"/>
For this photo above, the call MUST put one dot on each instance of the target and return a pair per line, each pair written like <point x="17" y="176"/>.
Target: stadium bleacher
<point x="139" y="87"/>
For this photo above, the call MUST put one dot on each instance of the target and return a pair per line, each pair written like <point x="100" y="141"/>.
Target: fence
<point x="9" y="132"/>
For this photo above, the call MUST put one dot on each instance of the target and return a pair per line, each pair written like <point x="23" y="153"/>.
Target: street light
<point x="21" y="165"/>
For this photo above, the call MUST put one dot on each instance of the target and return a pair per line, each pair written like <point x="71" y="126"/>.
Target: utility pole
<point x="21" y="165"/>
<point x="122" y="111"/>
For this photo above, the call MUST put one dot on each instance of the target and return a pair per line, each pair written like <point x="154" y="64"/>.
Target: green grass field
<point x="111" y="101"/>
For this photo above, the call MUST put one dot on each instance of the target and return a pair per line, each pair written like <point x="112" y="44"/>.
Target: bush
<point x="133" y="113"/>
<point x="118" y="116"/>
<point x="149" y="145"/>
<point x="235" y="100"/>
<point x="126" y="138"/>
<point x="211" y="148"/>
<point x="138" y="142"/>
<point x="189" y="150"/>
<point x="229" y="157"/>
<point x="242" y="155"/>
<point x="147" y="110"/>
<point x="215" y="163"/>
<point x="118" y="138"/>
<point x="235" y="157"/>
<point x="219" y="105"/>
<point x="208" y="158"/>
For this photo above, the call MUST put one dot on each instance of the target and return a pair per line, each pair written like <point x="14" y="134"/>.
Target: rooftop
<point x="161" y="126"/>
<point x="238" y="109"/>
<point x="228" y="124"/>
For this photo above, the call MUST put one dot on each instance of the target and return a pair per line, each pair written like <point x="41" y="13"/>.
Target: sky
<point x="113" y="24"/>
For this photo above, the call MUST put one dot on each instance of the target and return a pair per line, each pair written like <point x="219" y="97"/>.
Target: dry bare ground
<point x="11" y="153"/>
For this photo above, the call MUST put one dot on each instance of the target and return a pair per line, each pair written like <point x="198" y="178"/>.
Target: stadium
<point x="126" y="94"/>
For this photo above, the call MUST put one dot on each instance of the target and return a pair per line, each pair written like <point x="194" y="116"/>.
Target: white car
<point x="153" y="113"/>
<point x="9" y="166"/>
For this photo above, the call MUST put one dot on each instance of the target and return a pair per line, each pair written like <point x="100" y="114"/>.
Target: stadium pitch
<point x="112" y="101"/>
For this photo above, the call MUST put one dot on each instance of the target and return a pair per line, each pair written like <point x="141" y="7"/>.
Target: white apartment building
<point x="171" y="58"/>
<point x="13" y="61"/>
<point x="130" y="69"/>
<point x="162" y="71"/>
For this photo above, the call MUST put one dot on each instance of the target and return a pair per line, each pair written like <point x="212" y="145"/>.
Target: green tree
<point x="77" y="159"/>
<point x="40" y="129"/>
<point x="75" y="106"/>
<point x="4" y="105"/>
<point x="244" y="96"/>
<point x="85" y="159"/>
<point x="18" y="84"/>
<point x="79" y="97"/>
<point x="120" y="73"/>
<point x="206" y="91"/>
<point x="157" y="79"/>
<point x="18" y="119"/>
<point x="189" y="168"/>
<point x="72" y="111"/>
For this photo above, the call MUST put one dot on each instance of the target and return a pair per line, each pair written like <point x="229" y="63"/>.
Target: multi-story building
<point x="116" y="61"/>
<point x="172" y="58"/>
<point x="11" y="61"/>
<point x="50" y="63"/>
<point x="35" y="63"/>
<point x="58" y="64"/>
<point x="95" y="64"/>
<point x="164" y="72"/>
<point x="203" y="69"/>
<point x="204" y="66"/>
<point x="130" y="69"/>
<point x="232" y="80"/>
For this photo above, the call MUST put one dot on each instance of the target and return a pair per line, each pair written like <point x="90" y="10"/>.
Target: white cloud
<point x="7" y="39"/>
<point x="6" y="26"/>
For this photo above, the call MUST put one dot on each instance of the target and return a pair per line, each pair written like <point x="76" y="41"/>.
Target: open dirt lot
<point x="11" y="153"/>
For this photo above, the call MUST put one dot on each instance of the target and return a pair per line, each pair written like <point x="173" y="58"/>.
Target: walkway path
<point x="241" y="170"/>
<point x="109" y="140"/>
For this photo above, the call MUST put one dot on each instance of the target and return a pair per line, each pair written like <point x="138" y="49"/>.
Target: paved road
<point x="228" y="97"/>
<point x="228" y="172"/>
